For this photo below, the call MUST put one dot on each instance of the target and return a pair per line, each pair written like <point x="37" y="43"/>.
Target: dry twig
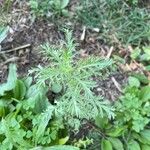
<point x="13" y="59"/>
<point x="83" y="34"/>
<point x="110" y="52"/>
<point x="15" y="49"/>
<point x="116" y="84"/>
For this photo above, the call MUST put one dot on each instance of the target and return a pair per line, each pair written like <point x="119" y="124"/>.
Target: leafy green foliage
<point x="133" y="145"/>
<point x="57" y="147"/>
<point x="73" y="79"/>
<point x="142" y="55"/>
<point x="133" y="2"/>
<point x="118" y="22"/>
<point x="116" y="143"/>
<point x="133" y="108"/>
<point x="145" y="134"/>
<point x="130" y="127"/>
<point x="106" y="145"/>
<point x="27" y="117"/>
<point x="143" y="79"/>
<point x="83" y="143"/>
<point x="49" y="8"/>
<point x="133" y="81"/>
<point x="145" y="147"/>
<point x="12" y="78"/>
<point x="20" y="90"/>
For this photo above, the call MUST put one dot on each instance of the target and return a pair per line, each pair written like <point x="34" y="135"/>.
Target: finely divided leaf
<point x="43" y="121"/>
<point x="27" y="81"/>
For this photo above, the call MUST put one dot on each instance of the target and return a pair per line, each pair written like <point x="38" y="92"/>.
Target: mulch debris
<point x="26" y="31"/>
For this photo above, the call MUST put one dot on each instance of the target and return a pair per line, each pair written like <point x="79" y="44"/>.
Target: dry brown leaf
<point x="133" y="66"/>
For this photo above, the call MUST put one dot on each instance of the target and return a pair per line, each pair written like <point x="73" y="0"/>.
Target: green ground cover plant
<point x="31" y="119"/>
<point x="52" y="109"/>
<point x="118" y="22"/>
<point x="130" y="128"/>
<point x="142" y="55"/>
<point x="49" y="8"/>
<point x="72" y="80"/>
<point x="28" y="119"/>
<point x="6" y="5"/>
<point x="132" y="2"/>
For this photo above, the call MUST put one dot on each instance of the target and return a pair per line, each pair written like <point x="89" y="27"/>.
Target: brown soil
<point x="25" y="30"/>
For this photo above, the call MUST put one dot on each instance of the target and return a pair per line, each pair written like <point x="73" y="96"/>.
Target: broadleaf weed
<point x="49" y="8"/>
